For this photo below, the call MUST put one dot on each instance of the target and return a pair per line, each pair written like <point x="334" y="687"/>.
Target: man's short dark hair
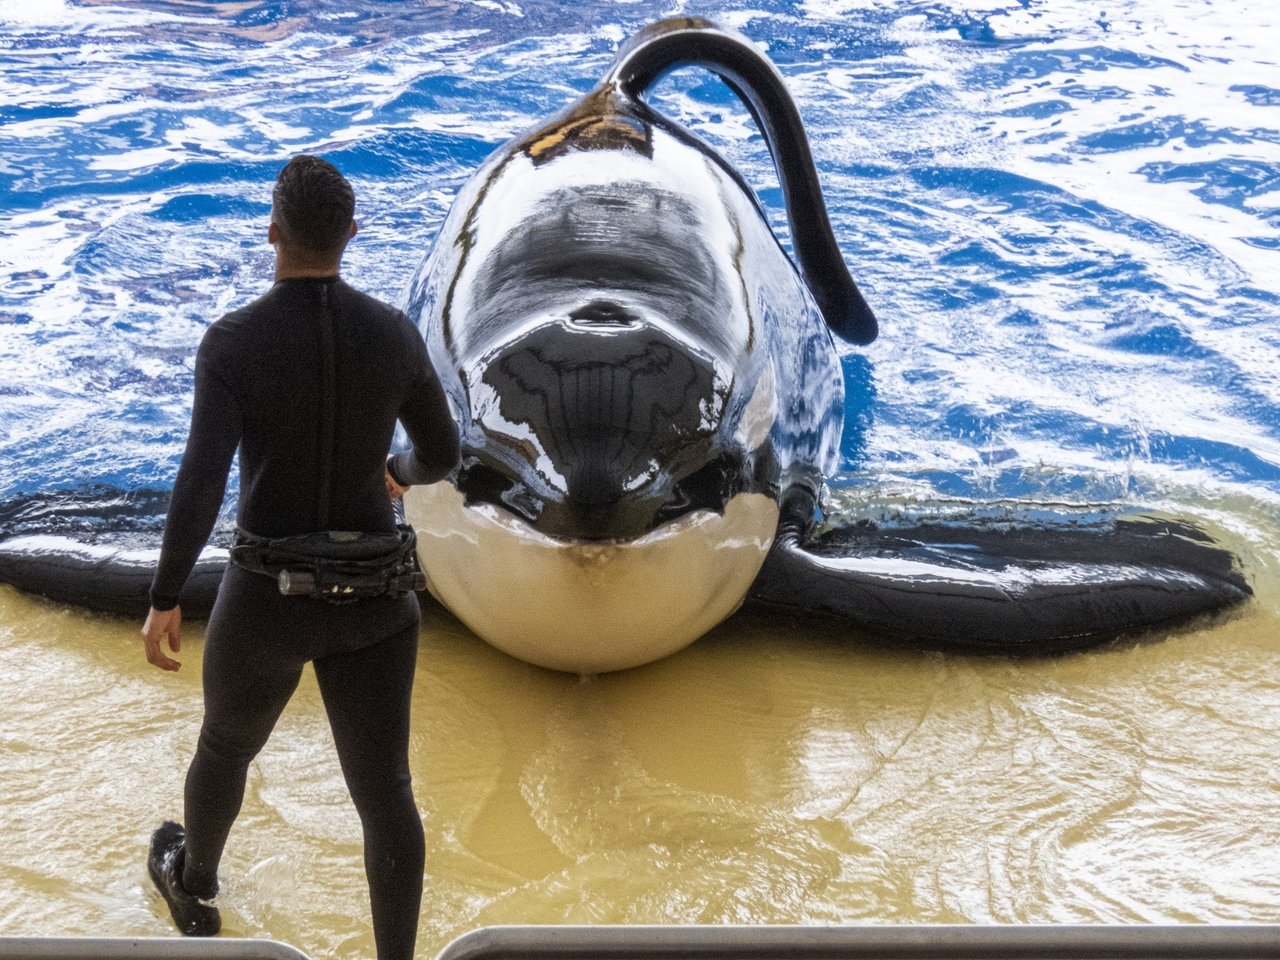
<point x="313" y="204"/>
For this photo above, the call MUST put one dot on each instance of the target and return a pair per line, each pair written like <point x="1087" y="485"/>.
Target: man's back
<point x="308" y="381"/>
<point x="317" y="406"/>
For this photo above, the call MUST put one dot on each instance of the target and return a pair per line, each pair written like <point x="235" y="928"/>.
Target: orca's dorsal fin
<point x="693" y="41"/>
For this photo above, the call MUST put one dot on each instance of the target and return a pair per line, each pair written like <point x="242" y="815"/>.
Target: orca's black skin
<point x="671" y="44"/>
<point x="98" y="548"/>
<point x="982" y="587"/>
<point x="589" y="332"/>
<point x="105" y="579"/>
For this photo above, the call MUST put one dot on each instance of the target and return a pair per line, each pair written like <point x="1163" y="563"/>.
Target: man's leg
<point x="250" y="672"/>
<point x="367" y="695"/>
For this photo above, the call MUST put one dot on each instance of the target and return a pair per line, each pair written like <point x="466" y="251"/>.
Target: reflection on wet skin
<point x="599" y="402"/>
<point x="593" y="124"/>
<point x="643" y="248"/>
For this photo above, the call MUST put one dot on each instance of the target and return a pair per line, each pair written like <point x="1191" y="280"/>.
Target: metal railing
<point x="969" y="942"/>
<point x="145" y="948"/>
<point x="1014" y="942"/>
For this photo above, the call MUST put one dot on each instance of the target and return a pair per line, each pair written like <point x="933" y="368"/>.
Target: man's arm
<point x="426" y="418"/>
<point x="197" y="498"/>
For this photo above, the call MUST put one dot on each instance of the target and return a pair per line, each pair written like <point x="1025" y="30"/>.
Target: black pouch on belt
<point x="334" y="565"/>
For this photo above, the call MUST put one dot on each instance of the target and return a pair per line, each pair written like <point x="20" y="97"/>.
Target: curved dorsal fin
<point x="692" y="41"/>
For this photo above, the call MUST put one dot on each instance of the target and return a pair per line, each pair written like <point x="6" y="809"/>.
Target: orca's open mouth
<point x="601" y="425"/>
<point x="627" y="516"/>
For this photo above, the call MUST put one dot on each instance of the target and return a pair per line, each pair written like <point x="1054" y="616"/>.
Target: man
<point x="308" y="382"/>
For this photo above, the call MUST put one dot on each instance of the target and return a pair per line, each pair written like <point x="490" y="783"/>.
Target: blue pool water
<point x="1067" y="216"/>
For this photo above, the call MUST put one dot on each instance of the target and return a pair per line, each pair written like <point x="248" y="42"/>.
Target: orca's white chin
<point x="588" y="607"/>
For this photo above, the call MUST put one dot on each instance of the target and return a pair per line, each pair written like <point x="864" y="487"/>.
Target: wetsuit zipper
<point x="328" y="409"/>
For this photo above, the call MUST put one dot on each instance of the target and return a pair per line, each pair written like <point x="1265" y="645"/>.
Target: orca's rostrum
<point x="650" y="398"/>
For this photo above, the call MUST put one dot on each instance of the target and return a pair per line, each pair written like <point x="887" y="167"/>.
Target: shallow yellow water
<point x="766" y="774"/>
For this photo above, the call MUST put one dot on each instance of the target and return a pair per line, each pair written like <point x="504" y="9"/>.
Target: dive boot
<point x="194" y="917"/>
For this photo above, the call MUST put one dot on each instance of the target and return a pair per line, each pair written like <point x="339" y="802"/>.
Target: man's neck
<point x="287" y="269"/>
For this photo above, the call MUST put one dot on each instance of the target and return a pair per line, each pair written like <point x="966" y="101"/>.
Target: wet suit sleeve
<point x="202" y="479"/>
<point x="426" y="418"/>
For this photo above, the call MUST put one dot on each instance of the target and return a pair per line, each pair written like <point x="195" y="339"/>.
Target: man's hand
<point x="161" y="624"/>
<point x="394" y="490"/>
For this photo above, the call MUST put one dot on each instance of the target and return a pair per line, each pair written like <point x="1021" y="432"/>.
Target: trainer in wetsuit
<point x="308" y="382"/>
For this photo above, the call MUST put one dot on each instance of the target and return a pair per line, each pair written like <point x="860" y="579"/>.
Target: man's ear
<point x="354" y="230"/>
<point x="273" y="233"/>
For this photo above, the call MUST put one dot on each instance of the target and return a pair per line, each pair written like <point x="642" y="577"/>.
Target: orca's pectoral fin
<point x="1025" y="590"/>
<point x="98" y="548"/>
<point x="111" y="579"/>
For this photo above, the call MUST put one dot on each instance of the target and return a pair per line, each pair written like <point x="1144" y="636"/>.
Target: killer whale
<point x="650" y="399"/>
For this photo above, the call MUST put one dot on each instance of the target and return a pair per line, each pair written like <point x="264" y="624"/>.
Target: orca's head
<point x="617" y="494"/>
<point x="640" y="375"/>
<point x="601" y="426"/>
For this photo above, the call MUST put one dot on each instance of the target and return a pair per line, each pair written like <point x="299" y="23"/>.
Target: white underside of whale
<point x="588" y="607"/>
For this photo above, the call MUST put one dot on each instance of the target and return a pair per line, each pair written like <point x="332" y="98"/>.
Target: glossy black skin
<point x="98" y="548"/>
<point x="1029" y="586"/>
<point x="691" y="41"/>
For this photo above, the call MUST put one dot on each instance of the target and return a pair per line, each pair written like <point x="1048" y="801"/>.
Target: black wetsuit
<point x="312" y="406"/>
